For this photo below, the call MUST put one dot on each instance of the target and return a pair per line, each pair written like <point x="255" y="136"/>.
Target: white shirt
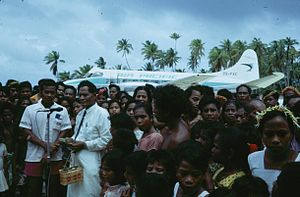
<point x="95" y="129"/>
<point x="36" y="121"/>
<point x="95" y="132"/>
<point x="257" y="167"/>
<point x="176" y="188"/>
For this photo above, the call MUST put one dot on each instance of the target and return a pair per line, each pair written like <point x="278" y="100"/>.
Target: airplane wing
<point x="188" y="81"/>
<point x="265" y="81"/>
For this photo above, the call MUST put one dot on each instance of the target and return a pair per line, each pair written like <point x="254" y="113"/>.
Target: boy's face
<point x="7" y="116"/>
<point x="155" y="167"/>
<point x="189" y="178"/>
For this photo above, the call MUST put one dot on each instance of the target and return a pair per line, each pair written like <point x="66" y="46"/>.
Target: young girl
<point x="112" y="174"/>
<point x="229" y="113"/>
<point x="277" y="126"/>
<point x="231" y="150"/>
<point x="3" y="168"/>
<point x="114" y="107"/>
<point x="151" y="139"/>
<point x="142" y="94"/>
<point x="192" y="163"/>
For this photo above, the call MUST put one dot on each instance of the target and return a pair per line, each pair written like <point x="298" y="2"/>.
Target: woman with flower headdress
<point x="277" y="126"/>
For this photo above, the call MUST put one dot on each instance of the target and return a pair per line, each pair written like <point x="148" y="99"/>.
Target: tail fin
<point x="245" y="69"/>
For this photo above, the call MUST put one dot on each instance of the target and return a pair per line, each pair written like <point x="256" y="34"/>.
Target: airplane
<point x="245" y="71"/>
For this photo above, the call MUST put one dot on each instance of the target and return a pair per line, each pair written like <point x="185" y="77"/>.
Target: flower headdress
<point x="286" y="111"/>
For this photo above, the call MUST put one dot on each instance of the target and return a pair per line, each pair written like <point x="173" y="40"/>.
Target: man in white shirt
<point x="91" y="135"/>
<point x="43" y="140"/>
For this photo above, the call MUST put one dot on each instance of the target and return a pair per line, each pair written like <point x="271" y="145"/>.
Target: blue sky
<point x="84" y="30"/>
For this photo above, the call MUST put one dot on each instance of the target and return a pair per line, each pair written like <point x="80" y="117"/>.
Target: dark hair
<point x="194" y="153"/>
<point x="288" y="180"/>
<point x="244" y="85"/>
<point x="271" y="114"/>
<point x="209" y="129"/>
<point x="171" y="101"/>
<point x="296" y="109"/>
<point x="275" y="94"/>
<point x="136" y="162"/>
<point x="60" y="83"/>
<point x="4" y="90"/>
<point x="7" y="105"/>
<point x="115" y="161"/>
<point x="90" y="85"/>
<point x="103" y="91"/>
<point x="150" y="185"/>
<point x="146" y="106"/>
<point x="110" y="102"/>
<point x="226" y="93"/>
<point x="165" y="158"/>
<point x="122" y="120"/>
<point x="72" y="88"/>
<point x="146" y="89"/>
<point x="249" y="185"/>
<point x="114" y="86"/>
<point x="46" y="82"/>
<point x="208" y="91"/>
<point x="124" y="140"/>
<point x="25" y="84"/>
<point x="188" y="92"/>
<point x="207" y="101"/>
<point x="232" y="139"/>
<point x="229" y="102"/>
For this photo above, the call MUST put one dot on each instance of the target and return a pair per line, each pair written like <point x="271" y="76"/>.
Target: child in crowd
<point x="152" y="185"/>
<point x="114" y="107"/>
<point x="231" y="150"/>
<point x="124" y="140"/>
<point x="135" y="167"/>
<point x="112" y="174"/>
<point x="151" y="139"/>
<point x="161" y="162"/>
<point x="210" y="109"/>
<point x="249" y="186"/>
<point x="3" y="168"/>
<point x="142" y="94"/>
<point x="192" y="163"/>
<point x="229" y="113"/>
<point x="102" y="96"/>
<point x="194" y="95"/>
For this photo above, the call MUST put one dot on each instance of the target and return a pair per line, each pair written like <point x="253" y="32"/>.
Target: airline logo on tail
<point x="249" y="65"/>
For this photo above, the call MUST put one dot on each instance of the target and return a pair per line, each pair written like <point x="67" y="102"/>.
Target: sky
<point x="83" y="30"/>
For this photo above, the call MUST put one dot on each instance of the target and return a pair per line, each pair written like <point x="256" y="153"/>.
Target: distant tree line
<point x="279" y="55"/>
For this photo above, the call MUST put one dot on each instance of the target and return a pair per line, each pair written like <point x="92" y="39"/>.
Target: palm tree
<point x="100" y="63"/>
<point x="150" y="51"/>
<point x="197" y="52"/>
<point x="53" y="59"/>
<point x="65" y="75"/>
<point x="261" y="50"/>
<point x="83" y="70"/>
<point x="238" y="48"/>
<point x="217" y="59"/>
<point x="227" y="47"/>
<point x="161" y="59"/>
<point x="171" y="58"/>
<point x="148" y="67"/>
<point x="125" y="47"/>
<point x="117" y="67"/>
<point x="290" y="55"/>
<point x="175" y="37"/>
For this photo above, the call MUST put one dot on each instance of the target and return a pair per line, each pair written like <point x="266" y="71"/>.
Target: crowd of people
<point x="160" y="142"/>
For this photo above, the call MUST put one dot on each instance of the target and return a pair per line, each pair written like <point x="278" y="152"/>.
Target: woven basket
<point x="71" y="175"/>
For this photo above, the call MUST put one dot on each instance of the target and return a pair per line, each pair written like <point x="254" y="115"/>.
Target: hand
<point x="77" y="145"/>
<point x="127" y="192"/>
<point x="44" y="159"/>
<point x="54" y="148"/>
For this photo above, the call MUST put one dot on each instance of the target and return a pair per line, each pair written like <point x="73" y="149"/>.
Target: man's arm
<point x="34" y="139"/>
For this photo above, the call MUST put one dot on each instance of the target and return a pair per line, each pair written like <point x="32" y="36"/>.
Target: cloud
<point x="82" y="31"/>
